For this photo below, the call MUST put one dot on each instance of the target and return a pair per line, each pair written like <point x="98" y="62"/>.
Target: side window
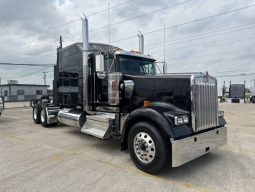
<point x="109" y="64"/>
<point x="146" y="68"/>
<point x="20" y="92"/>
<point x="5" y="93"/>
<point x="38" y="92"/>
<point x="113" y="66"/>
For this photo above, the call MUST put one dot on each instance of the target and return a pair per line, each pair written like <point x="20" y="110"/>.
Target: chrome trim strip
<point x="187" y="149"/>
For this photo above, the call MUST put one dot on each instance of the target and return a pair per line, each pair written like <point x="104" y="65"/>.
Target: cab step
<point x="99" y="125"/>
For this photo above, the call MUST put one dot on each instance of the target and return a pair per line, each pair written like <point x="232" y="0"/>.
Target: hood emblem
<point x="206" y="77"/>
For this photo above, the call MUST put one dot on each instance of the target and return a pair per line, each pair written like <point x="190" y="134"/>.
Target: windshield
<point x="136" y="65"/>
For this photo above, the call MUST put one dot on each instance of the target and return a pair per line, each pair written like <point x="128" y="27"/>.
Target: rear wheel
<point x="37" y="114"/>
<point x="44" y="117"/>
<point x="148" y="149"/>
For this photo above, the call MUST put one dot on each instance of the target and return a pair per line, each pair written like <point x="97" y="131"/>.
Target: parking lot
<point x="33" y="158"/>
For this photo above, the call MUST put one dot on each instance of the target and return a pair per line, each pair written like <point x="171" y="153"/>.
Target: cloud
<point x="24" y="23"/>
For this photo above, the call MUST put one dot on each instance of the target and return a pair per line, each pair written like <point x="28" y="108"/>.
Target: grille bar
<point x="204" y="103"/>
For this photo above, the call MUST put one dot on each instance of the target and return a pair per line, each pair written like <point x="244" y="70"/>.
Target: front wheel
<point x="148" y="149"/>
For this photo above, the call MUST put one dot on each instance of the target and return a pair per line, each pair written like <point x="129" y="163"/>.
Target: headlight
<point x="180" y="120"/>
<point x="220" y="113"/>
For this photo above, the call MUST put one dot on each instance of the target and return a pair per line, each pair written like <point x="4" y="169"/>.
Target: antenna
<point x="109" y="36"/>
<point x="109" y="26"/>
<point x="148" y="46"/>
<point x="164" y="62"/>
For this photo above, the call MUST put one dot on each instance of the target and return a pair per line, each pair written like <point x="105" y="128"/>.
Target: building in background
<point x="22" y="92"/>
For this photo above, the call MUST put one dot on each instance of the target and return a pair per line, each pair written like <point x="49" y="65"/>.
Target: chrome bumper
<point x="187" y="149"/>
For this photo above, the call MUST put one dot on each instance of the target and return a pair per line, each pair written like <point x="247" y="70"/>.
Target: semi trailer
<point x="162" y="119"/>
<point x="237" y="93"/>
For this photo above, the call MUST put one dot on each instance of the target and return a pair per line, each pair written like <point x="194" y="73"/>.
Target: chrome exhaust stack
<point x="141" y="42"/>
<point x="85" y="48"/>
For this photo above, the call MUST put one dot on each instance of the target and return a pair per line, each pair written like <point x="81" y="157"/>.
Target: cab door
<point x="106" y="82"/>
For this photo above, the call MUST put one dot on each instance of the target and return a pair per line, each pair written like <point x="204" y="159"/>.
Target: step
<point x="95" y="132"/>
<point x="99" y="125"/>
<point x="103" y="117"/>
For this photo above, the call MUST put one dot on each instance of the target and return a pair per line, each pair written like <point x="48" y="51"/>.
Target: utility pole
<point x="223" y="89"/>
<point x="60" y="42"/>
<point x="44" y="77"/>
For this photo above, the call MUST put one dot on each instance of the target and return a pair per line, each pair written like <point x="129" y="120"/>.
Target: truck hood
<point x="171" y="88"/>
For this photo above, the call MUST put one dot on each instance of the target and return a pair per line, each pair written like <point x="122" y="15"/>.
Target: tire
<point x="37" y="114"/>
<point x="148" y="149"/>
<point x="32" y="103"/>
<point x="44" y="117"/>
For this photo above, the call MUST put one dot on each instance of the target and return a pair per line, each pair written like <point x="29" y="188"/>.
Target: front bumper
<point x="187" y="149"/>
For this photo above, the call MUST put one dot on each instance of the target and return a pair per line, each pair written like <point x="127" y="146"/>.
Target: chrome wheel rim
<point x="35" y="113"/>
<point x="42" y="116"/>
<point x="144" y="147"/>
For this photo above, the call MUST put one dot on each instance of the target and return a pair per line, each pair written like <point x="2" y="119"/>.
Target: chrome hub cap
<point x="144" y="147"/>
<point x="35" y="113"/>
<point x="42" y="116"/>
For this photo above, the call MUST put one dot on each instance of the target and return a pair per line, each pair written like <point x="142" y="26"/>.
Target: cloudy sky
<point x="200" y="35"/>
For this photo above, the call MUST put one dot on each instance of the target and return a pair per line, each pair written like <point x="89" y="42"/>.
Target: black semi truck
<point x="109" y="93"/>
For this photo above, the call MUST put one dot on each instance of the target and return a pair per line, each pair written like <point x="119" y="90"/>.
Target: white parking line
<point x="10" y="117"/>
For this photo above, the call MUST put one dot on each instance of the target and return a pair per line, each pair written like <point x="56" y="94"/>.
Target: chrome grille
<point x="204" y="102"/>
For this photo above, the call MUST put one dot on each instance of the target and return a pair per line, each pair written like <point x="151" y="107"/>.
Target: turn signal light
<point x="146" y="103"/>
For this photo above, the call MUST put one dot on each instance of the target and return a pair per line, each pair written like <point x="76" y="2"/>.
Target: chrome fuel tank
<point x="72" y="117"/>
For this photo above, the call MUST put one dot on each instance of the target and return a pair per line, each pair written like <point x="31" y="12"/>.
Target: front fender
<point x="155" y="115"/>
<point x="150" y="115"/>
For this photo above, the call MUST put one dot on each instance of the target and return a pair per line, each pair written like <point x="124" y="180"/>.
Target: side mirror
<point x="128" y="86"/>
<point x="100" y="62"/>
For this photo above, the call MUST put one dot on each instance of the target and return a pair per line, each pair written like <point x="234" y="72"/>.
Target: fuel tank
<point x="72" y="117"/>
